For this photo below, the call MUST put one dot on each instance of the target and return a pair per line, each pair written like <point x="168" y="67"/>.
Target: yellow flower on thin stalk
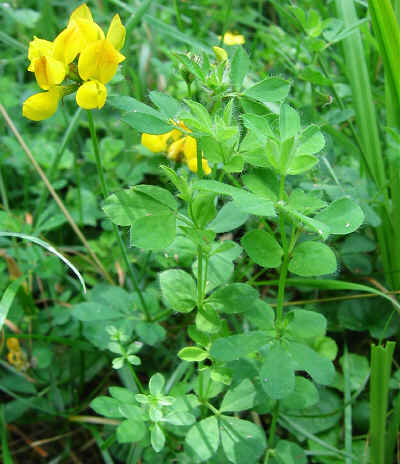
<point x="98" y="59"/>
<point x="16" y="357"/>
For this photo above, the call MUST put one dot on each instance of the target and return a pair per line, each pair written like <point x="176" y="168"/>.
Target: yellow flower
<point x="48" y="72"/>
<point x="37" y="49"/>
<point x="183" y="146"/>
<point x="220" y="54"/>
<point x="16" y="356"/>
<point x="91" y="95"/>
<point x="99" y="61"/>
<point x="233" y="39"/>
<point x="79" y="33"/>
<point x="97" y="64"/>
<point x="42" y="105"/>
<point x="192" y="165"/>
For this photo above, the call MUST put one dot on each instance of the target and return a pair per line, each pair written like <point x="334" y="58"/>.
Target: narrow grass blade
<point x="328" y="284"/>
<point x="348" y="436"/>
<point x="381" y="363"/>
<point x="364" y="106"/>
<point x="8" y="298"/>
<point x="5" y="452"/>
<point x="393" y="430"/>
<point x="49" y="248"/>
<point x="314" y="438"/>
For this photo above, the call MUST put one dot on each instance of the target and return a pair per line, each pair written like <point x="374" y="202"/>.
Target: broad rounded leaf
<point x="271" y="89"/>
<point x="203" y="438"/>
<point x="343" y="216"/>
<point x="312" y="259"/>
<point x="233" y="298"/>
<point x="277" y="372"/>
<point x="131" y="431"/>
<point x="147" y="123"/>
<point x="178" y="289"/>
<point x="238" y="346"/>
<point x="242" y="440"/>
<point x="154" y="232"/>
<point x="263" y="248"/>
<point x="193" y="354"/>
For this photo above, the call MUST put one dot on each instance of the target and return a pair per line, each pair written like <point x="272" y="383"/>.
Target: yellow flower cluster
<point x="16" y="356"/>
<point x="177" y="146"/>
<point x="233" y="39"/>
<point x="98" y="59"/>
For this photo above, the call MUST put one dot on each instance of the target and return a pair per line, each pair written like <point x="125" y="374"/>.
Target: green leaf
<point x="263" y="183"/>
<point x="106" y="406"/>
<point x="147" y="123"/>
<point x="193" y="354"/>
<point x="238" y="346"/>
<point x="306" y="359"/>
<point x="122" y="394"/>
<point x="179" y="290"/>
<point x="130" y="431"/>
<point x="179" y="418"/>
<point x="240" y="64"/>
<point x="277" y="372"/>
<point x="156" y="384"/>
<point x="253" y="204"/>
<point x="150" y="333"/>
<point x="94" y="311"/>
<point x="289" y="122"/>
<point x="288" y="452"/>
<point x="311" y="141"/>
<point x="242" y="440"/>
<point x="239" y="398"/>
<point x="154" y="232"/>
<point x="305" y="325"/>
<point x="229" y="217"/>
<point x="343" y="216"/>
<point x="131" y="105"/>
<point x="263" y="248"/>
<point x="233" y="298"/>
<point x="259" y="126"/>
<point x="261" y="315"/>
<point x="203" y="439"/>
<point x="168" y="105"/>
<point x="271" y="89"/>
<point x="312" y="259"/>
<point x="8" y="298"/>
<point x="203" y="208"/>
<point x="301" y="163"/>
<point x="304" y="395"/>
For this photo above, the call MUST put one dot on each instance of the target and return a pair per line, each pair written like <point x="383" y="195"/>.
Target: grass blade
<point x="5" y="452"/>
<point x="8" y="298"/>
<point x="381" y="363"/>
<point x="49" y="248"/>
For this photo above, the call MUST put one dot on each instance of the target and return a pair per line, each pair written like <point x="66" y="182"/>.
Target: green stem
<point x="272" y="429"/>
<point x="3" y="193"/>
<point x="199" y="278"/>
<point x="115" y="228"/>
<point x="178" y="16"/>
<point x="136" y="379"/>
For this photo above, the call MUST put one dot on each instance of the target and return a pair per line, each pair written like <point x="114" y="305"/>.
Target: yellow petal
<point x="116" y="33"/>
<point x="41" y="105"/>
<point x="99" y="61"/>
<point x="90" y="31"/>
<point x="190" y="148"/>
<point x="154" y="143"/>
<point x="68" y="44"/>
<point x="91" y="95"/>
<point x="82" y="12"/>
<point x="233" y="39"/>
<point x="37" y="48"/>
<point x="192" y="165"/>
<point x="49" y="72"/>
<point x="176" y="149"/>
<point x="13" y="344"/>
